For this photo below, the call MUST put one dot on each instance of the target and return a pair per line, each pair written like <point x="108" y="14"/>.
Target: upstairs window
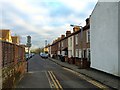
<point x="71" y="42"/>
<point x="59" y="44"/>
<point x="77" y="53"/>
<point x="62" y="44"/>
<point x="88" y="36"/>
<point x="80" y="53"/>
<point x="76" y="39"/>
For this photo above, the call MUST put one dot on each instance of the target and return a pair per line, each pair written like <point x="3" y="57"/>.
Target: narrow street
<point x="60" y="44"/>
<point x="44" y="73"/>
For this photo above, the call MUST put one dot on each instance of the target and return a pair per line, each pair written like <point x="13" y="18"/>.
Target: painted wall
<point x="58" y="53"/>
<point x="104" y="37"/>
<point x="63" y="53"/>
<point x="70" y="46"/>
<point x="119" y="38"/>
<point x="73" y="52"/>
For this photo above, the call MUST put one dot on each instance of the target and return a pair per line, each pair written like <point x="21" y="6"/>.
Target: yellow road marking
<point x="54" y="81"/>
<point x="99" y="85"/>
<point x="56" y="86"/>
<point x="48" y="79"/>
<point x="57" y="81"/>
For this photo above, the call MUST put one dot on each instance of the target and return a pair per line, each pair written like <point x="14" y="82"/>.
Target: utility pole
<point x="45" y="42"/>
<point x="45" y="46"/>
<point x="28" y="45"/>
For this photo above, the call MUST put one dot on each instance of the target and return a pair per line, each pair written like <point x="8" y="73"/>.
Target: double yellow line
<point x="99" y="85"/>
<point x="54" y="82"/>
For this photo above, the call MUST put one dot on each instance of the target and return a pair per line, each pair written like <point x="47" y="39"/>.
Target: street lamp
<point x="45" y="42"/>
<point x="81" y="42"/>
<point x="28" y="45"/>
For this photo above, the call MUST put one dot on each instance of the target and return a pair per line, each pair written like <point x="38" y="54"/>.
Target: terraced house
<point x="64" y="45"/>
<point x="54" y="48"/>
<point x="79" y="46"/>
<point x="74" y="47"/>
<point x="6" y="35"/>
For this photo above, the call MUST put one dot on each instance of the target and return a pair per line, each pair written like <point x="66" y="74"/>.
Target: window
<point x="84" y="53"/>
<point x="77" y="53"/>
<point x="88" y="54"/>
<point x="76" y="39"/>
<point x="62" y="44"/>
<point x="70" y="53"/>
<point x="71" y="42"/>
<point x="59" y="44"/>
<point x="88" y="35"/>
<point x="58" y="52"/>
<point x="63" y="53"/>
<point x="80" y="53"/>
<point x="66" y="52"/>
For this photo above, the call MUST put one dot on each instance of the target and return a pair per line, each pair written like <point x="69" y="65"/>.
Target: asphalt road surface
<point x="43" y="73"/>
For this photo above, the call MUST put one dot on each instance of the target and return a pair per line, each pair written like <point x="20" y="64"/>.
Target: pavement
<point x="102" y="77"/>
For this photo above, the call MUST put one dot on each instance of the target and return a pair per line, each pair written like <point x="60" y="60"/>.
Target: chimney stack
<point x="68" y="33"/>
<point x="76" y="28"/>
<point x="62" y="36"/>
<point x="87" y="21"/>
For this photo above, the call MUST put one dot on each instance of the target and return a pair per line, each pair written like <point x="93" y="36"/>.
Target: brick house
<point x="59" y="47"/>
<point x="49" y="50"/>
<point x="75" y="47"/>
<point x="64" y="45"/>
<point x="5" y="35"/>
<point x="79" y="45"/>
<point x="54" y="48"/>
<point x="15" y="39"/>
<point x="82" y="46"/>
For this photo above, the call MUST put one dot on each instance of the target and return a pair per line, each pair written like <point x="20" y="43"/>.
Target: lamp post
<point x="45" y="48"/>
<point x="28" y="45"/>
<point x="45" y="42"/>
<point x="81" y="43"/>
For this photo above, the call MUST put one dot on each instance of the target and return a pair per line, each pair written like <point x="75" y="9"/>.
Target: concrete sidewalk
<point x="102" y="77"/>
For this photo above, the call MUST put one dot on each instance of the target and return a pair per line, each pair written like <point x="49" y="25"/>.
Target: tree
<point x="37" y="50"/>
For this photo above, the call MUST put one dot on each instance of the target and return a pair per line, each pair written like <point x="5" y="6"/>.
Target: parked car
<point x="44" y="55"/>
<point x="28" y="56"/>
<point x="33" y="54"/>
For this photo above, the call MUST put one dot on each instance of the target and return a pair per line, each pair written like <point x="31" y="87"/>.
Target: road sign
<point x="29" y="41"/>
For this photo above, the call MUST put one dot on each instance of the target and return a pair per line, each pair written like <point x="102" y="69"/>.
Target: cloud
<point x="43" y="19"/>
<point x="77" y="5"/>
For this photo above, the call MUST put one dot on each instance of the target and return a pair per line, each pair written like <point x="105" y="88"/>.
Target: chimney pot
<point x="87" y="21"/>
<point x="68" y="33"/>
<point x="76" y="28"/>
<point x="62" y="36"/>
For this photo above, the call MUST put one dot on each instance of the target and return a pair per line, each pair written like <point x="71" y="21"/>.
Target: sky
<point x="43" y="19"/>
